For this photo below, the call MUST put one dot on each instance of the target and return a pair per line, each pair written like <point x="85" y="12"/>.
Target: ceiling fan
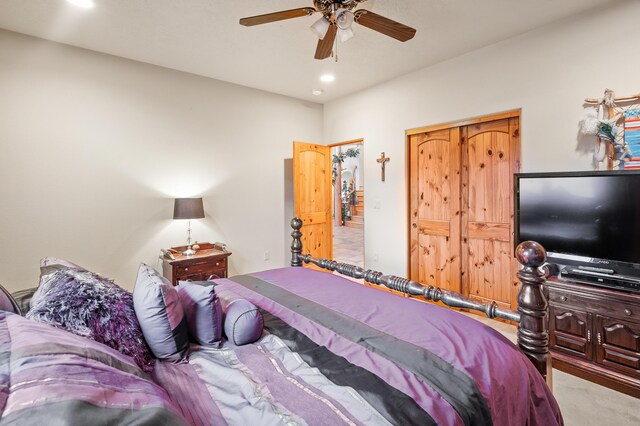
<point x="337" y="19"/>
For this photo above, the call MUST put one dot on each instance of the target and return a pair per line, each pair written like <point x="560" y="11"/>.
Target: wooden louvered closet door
<point x="461" y="209"/>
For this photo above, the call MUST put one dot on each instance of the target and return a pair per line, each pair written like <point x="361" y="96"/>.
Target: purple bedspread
<point x="333" y="352"/>
<point x="515" y="392"/>
<point x="52" y="377"/>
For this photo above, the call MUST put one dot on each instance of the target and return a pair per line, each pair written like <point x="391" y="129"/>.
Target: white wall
<point x="94" y="148"/>
<point x="547" y="72"/>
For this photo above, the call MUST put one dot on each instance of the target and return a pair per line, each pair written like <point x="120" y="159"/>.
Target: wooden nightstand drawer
<point x="209" y="262"/>
<point x="200" y="275"/>
<point x="202" y="267"/>
<point x="215" y="274"/>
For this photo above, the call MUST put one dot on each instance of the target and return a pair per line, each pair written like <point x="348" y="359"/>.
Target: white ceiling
<point x="203" y="36"/>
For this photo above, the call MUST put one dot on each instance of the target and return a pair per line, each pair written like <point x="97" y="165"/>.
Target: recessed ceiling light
<point x="87" y="4"/>
<point x="317" y="92"/>
<point x="327" y="78"/>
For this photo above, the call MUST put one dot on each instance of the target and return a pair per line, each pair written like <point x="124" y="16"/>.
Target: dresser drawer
<point x="583" y="301"/>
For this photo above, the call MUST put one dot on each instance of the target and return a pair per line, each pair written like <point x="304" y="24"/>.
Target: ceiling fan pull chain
<point x="335" y="49"/>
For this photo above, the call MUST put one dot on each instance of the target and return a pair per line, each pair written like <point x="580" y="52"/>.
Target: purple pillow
<point x="161" y="316"/>
<point x="91" y="306"/>
<point x="202" y="311"/>
<point x="49" y="266"/>
<point x="243" y="321"/>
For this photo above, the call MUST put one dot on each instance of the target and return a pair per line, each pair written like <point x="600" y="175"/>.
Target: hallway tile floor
<point x="348" y="245"/>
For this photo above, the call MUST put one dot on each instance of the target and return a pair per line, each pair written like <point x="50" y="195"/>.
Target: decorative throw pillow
<point x="8" y="303"/>
<point x="161" y="315"/>
<point x="94" y="307"/>
<point x="203" y="312"/>
<point x="50" y="265"/>
<point x="243" y="321"/>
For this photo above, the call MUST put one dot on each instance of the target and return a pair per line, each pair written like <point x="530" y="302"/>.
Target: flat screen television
<point x="582" y="218"/>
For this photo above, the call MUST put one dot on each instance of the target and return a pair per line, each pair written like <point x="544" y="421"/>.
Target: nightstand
<point x="209" y="261"/>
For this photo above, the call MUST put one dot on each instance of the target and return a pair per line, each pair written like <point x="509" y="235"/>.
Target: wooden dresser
<point x="210" y="261"/>
<point x="595" y="334"/>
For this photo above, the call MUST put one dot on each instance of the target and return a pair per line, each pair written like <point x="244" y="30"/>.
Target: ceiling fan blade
<point x="384" y="25"/>
<point x="277" y="16"/>
<point x="325" y="46"/>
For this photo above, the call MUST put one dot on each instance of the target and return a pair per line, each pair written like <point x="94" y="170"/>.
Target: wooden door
<point x="461" y="207"/>
<point x="434" y="187"/>
<point x="618" y="344"/>
<point x="490" y="157"/>
<point x="312" y="197"/>
<point x="570" y="331"/>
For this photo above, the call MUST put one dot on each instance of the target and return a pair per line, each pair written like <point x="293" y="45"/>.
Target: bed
<point x="331" y="352"/>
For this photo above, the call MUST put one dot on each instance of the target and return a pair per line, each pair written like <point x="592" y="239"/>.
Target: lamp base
<point x="189" y="252"/>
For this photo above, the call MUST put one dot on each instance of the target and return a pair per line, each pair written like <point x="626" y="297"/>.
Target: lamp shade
<point x="345" y="34"/>
<point x="320" y="27"/>
<point x="188" y="208"/>
<point x="344" y="19"/>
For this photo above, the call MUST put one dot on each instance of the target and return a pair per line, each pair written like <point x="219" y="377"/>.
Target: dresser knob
<point x="628" y="312"/>
<point x="563" y="298"/>
<point x="186" y="269"/>
<point x="217" y="263"/>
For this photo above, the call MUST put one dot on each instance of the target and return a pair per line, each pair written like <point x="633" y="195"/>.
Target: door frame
<point x="514" y="113"/>
<point x="351" y="142"/>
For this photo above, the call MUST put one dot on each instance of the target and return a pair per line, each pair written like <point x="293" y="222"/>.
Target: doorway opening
<point x="348" y="202"/>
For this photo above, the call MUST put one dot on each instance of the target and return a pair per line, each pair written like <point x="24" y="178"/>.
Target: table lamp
<point x="188" y="208"/>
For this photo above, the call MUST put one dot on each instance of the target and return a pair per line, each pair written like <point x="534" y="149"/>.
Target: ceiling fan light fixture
<point x="345" y="34"/>
<point x="344" y="19"/>
<point x="335" y="23"/>
<point x="320" y="27"/>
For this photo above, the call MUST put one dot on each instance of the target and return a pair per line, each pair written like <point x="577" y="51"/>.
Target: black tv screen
<point x="590" y="214"/>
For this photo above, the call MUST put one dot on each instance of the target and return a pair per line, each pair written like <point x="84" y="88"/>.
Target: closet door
<point x="490" y="157"/>
<point x="434" y="173"/>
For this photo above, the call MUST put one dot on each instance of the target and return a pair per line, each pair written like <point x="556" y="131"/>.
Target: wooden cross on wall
<point x="382" y="160"/>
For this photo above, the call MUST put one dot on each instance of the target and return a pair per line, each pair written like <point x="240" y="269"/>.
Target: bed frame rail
<point x="532" y="315"/>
